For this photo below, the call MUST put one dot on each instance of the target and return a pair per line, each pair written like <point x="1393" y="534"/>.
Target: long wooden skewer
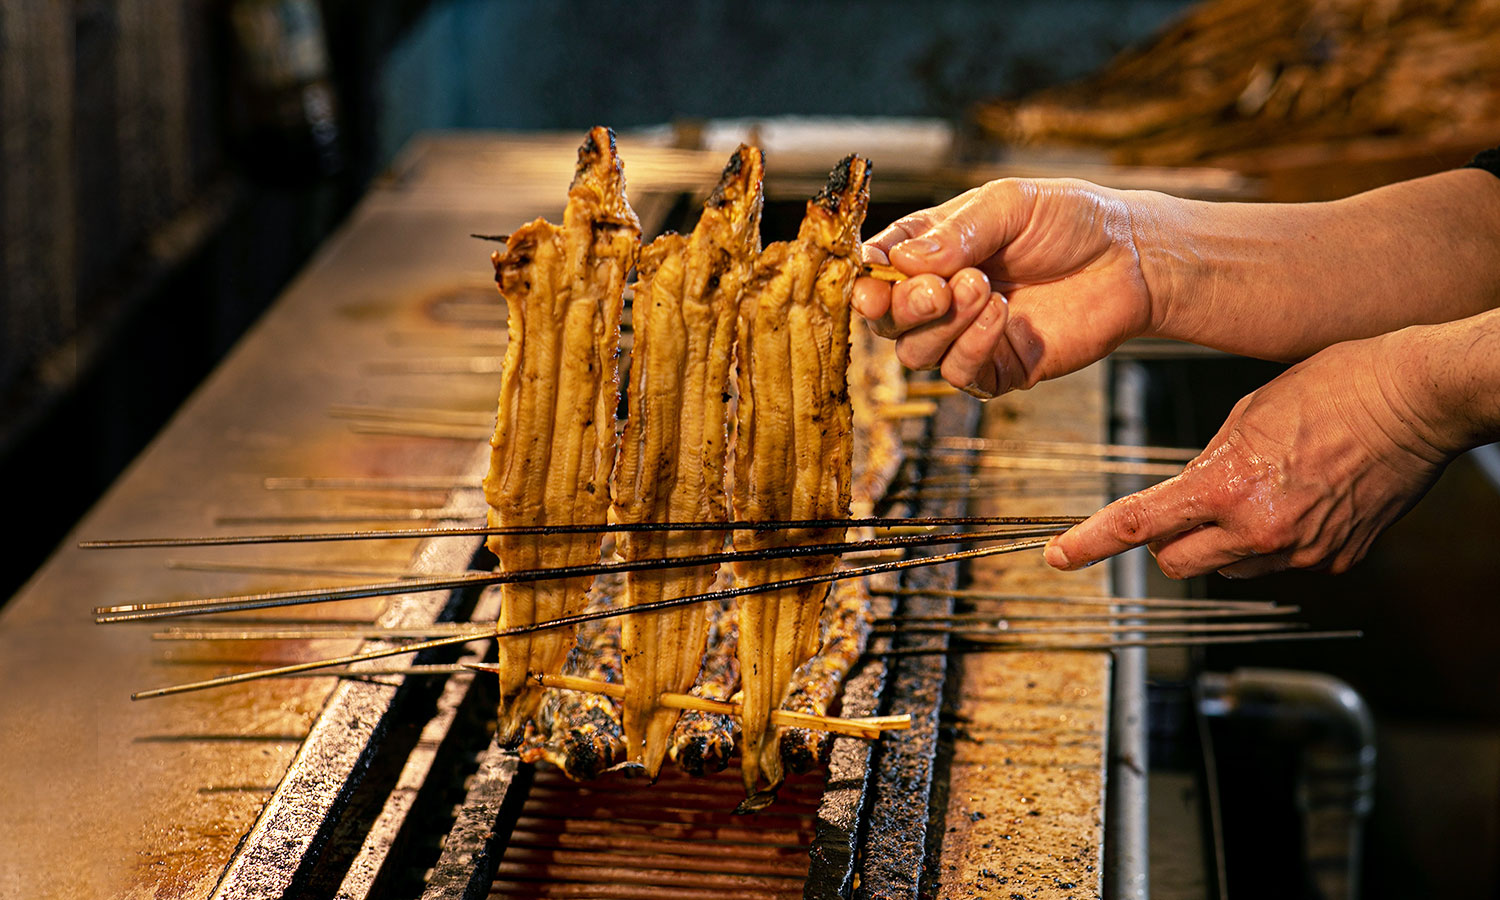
<point x="323" y="632"/>
<point x="440" y="629"/>
<point x="971" y="631"/>
<point x="918" y="390"/>
<point x="1157" y="614"/>
<point x="1054" y="463"/>
<point x="447" y="431"/>
<point x="135" y="612"/>
<point x="1065" y="448"/>
<point x="437" y="365"/>
<point x="425" y="423"/>
<point x="868" y="727"/>
<point x="1144" y="602"/>
<point x="427" y="414"/>
<point x="984" y="645"/>
<point x="207" y="565"/>
<point x="341" y="483"/>
<point x="376" y="671"/>
<point x="595" y="615"/>
<point x="473" y="514"/>
<point x="617" y="527"/>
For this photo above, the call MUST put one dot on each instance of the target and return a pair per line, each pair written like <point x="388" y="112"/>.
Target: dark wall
<point x="576" y="63"/>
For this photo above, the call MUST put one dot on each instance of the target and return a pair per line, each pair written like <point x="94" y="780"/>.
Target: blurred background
<point x="167" y="165"/>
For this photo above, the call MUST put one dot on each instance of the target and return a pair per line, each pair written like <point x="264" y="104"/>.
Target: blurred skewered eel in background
<point x="1292" y="89"/>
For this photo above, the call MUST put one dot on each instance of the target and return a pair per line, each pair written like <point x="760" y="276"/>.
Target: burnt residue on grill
<point x="874" y="825"/>
<point x="352" y="759"/>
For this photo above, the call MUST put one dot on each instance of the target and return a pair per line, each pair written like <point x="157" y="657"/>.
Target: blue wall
<point x="574" y="63"/>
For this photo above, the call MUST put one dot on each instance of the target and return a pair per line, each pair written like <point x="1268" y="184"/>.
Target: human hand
<point x="1305" y="473"/>
<point x="1011" y="283"/>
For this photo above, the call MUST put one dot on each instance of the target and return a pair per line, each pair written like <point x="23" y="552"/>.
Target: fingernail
<point x="920" y="246"/>
<point x="965" y="294"/>
<point x="922" y="301"/>
<point x="974" y="390"/>
<point x="1055" y="556"/>
<point x="994" y="309"/>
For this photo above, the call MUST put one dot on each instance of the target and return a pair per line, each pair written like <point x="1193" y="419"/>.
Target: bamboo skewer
<point x="450" y="432"/>
<point x="134" y="612"/>
<point x="1063" y="448"/>
<point x="868" y="727"/>
<point x="437" y="365"/>
<point x="339" y="483"/>
<point x="386" y="671"/>
<point x="918" y="390"/>
<point x="882" y="272"/>
<point x="1144" y="602"/>
<point x="579" y="619"/>
<point x="414" y="514"/>
<point x="196" y="565"/>
<point x="1184" y="614"/>
<point x="1055" y="464"/>
<point x="969" y="631"/>
<point x="617" y="527"/>
<point x="463" y="427"/>
<point x="440" y="629"/>
<point x="322" y="632"/>
<point x="983" y="645"/>
<point x="435" y="415"/>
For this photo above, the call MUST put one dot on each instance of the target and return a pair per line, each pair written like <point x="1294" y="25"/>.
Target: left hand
<point x="1305" y="473"/>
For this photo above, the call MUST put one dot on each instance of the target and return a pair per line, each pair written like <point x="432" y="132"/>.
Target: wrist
<point x="1443" y="380"/>
<point x="1169" y="262"/>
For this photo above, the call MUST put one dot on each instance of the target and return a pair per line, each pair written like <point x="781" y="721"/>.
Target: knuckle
<point x="1128" y="522"/>
<point x="1173" y="566"/>
<point x="1305" y="558"/>
<point x="1264" y="541"/>
<point x="957" y="370"/>
<point x="913" y="355"/>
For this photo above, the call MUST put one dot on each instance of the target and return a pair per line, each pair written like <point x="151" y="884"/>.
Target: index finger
<point x="1156" y="513"/>
<point x="912" y="225"/>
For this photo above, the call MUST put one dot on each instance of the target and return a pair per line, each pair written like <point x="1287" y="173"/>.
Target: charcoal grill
<point x="390" y="786"/>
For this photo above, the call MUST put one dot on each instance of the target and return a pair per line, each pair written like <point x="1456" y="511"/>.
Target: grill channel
<point x="620" y="838"/>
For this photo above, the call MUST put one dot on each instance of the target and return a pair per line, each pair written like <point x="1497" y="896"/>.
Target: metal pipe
<point x="1335" y="731"/>
<point x="1127" y="874"/>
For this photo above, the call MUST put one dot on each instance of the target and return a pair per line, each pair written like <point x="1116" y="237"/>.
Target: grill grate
<point x="624" y="838"/>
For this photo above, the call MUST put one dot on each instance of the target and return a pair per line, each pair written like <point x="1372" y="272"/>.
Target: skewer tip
<point x="882" y="272"/>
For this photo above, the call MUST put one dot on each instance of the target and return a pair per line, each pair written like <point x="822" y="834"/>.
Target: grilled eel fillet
<point x="846" y="627"/>
<point x="580" y="732"/>
<point x="793" y="450"/>
<point x="876" y="379"/>
<point x="554" y="442"/>
<point x="703" y="742"/>
<point x="671" y="466"/>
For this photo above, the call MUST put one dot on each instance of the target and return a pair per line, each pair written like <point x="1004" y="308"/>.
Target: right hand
<point x="1304" y="474"/>
<point x="1011" y="283"/>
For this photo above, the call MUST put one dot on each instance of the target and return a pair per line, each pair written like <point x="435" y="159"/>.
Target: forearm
<point x="1445" y="379"/>
<point x="1282" y="281"/>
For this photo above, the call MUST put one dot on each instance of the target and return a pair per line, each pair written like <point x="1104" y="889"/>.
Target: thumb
<point x="987" y="221"/>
